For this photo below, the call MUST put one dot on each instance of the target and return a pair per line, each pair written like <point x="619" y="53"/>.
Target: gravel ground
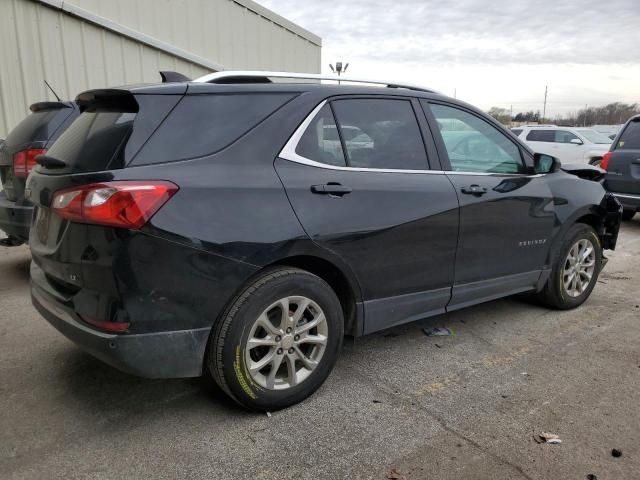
<point x="398" y="405"/>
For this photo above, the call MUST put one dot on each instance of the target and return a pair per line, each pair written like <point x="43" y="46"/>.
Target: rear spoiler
<point x="42" y="106"/>
<point x="173" y="77"/>
<point x="121" y="100"/>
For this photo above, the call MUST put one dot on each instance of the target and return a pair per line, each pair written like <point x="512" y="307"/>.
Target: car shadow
<point x="16" y="270"/>
<point x="98" y="388"/>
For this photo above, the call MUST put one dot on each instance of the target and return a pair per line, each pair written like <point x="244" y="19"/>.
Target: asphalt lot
<point x="458" y="407"/>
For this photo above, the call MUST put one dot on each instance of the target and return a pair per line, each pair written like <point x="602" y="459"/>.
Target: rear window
<point x="94" y="141"/>
<point x="37" y="127"/>
<point x="109" y="132"/>
<point x="630" y="138"/>
<point x="204" y="124"/>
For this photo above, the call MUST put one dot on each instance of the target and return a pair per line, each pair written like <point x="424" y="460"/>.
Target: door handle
<point x="336" y="189"/>
<point x="476" y="190"/>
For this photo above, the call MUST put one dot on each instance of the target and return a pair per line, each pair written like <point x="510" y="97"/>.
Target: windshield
<point x="594" y="137"/>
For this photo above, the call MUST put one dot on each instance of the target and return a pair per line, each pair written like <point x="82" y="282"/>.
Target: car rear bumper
<point x="172" y="354"/>
<point x="628" y="200"/>
<point x="15" y="220"/>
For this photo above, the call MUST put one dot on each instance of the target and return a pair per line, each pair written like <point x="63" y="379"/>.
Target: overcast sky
<point x="492" y="52"/>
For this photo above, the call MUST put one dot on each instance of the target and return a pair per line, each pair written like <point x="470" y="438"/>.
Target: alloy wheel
<point x="579" y="267"/>
<point x="286" y="343"/>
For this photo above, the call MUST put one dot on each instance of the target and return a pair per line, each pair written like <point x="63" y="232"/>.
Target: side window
<point x="562" y="136"/>
<point x="320" y="141"/>
<point x="380" y="133"/>
<point x="516" y="131"/>
<point x="474" y="145"/>
<point x="541" y="136"/>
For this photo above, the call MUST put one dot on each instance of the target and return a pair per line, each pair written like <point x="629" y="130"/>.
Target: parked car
<point x="170" y="241"/>
<point x="31" y="137"/>
<point x="569" y="144"/>
<point x="622" y="164"/>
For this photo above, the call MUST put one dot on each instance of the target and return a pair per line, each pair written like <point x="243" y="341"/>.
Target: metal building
<point x="80" y="44"/>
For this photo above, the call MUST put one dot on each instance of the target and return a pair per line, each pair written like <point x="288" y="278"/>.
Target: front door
<point x="506" y="212"/>
<point x="362" y="189"/>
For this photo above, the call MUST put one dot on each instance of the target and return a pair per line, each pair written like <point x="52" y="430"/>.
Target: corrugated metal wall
<point x="232" y="33"/>
<point x="39" y="42"/>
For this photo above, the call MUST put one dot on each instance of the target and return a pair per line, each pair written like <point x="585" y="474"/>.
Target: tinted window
<point x="380" y="133"/>
<point x="516" y="131"/>
<point x="320" y="141"/>
<point x="37" y="126"/>
<point x="94" y="141"/>
<point x="474" y="145"/>
<point x="541" y="136"/>
<point x="630" y="139"/>
<point x="204" y="124"/>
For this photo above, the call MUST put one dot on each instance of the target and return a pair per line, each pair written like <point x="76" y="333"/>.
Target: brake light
<point x="126" y="204"/>
<point x="604" y="163"/>
<point x="25" y="161"/>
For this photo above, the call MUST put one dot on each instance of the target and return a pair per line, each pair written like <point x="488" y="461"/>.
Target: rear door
<point x="542" y="140"/>
<point x="623" y="171"/>
<point x="369" y="197"/>
<point x="506" y="213"/>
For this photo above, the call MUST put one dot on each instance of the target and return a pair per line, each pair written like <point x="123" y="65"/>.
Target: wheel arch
<point x="342" y="282"/>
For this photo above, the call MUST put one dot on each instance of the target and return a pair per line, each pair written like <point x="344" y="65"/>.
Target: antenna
<point x="52" y="90"/>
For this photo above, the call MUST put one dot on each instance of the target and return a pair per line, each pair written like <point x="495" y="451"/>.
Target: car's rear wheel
<point x="575" y="270"/>
<point x="278" y="341"/>
<point x="628" y="214"/>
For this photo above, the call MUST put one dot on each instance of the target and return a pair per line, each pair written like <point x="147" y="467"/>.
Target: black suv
<point x="622" y="164"/>
<point x="240" y="228"/>
<point x="32" y="137"/>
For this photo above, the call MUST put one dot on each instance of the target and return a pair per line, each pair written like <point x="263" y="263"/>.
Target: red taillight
<point x="106" y="325"/>
<point x="25" y="161"/>
<point x="604" y="163"/>
<point x="126" y="204"/>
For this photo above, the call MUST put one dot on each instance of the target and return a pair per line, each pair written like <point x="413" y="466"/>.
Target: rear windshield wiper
<point x="50" y="162"/>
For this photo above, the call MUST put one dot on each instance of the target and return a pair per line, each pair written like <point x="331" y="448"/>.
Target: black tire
<point x="553" y="294"/>
<point x="225" y="360"/>
<point x="628" y="214"/>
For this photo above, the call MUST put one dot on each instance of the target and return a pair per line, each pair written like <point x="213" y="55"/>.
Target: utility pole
<point x="544" y="109"/>
<point x="511" y="115"/>
<point x="455" y="93"/>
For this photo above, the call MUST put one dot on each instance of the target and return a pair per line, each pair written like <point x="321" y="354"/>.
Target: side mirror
<point x="545" y="163"/>
<point x="576" y="141"/>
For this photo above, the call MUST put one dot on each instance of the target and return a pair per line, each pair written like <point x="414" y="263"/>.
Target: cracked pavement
<point x="460" y="407"/>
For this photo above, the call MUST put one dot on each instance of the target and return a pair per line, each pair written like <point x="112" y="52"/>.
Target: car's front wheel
<point x="278" y="341"/>
<point x="575" y="270"/>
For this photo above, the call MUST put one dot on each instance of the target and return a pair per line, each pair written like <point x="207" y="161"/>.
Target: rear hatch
<point x="111" y="128"/>
<point x="117" y="143"/>
<point x="32" y="136"/>
<point x="623" y="166"/>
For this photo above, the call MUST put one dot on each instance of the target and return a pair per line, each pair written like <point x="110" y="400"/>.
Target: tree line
<point x="611" y="114"/>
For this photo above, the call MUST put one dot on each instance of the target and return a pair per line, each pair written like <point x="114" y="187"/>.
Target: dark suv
<point x="622" y="164"/>
<point x="30" y="138"/>
<point x="240" y="228"/>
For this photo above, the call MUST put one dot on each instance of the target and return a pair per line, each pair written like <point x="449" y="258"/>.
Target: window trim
<point x="288" y="152"/>
<point x="426" y="103"/>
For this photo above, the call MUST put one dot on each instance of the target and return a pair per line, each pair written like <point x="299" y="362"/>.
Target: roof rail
<point x="230" y="76"/>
